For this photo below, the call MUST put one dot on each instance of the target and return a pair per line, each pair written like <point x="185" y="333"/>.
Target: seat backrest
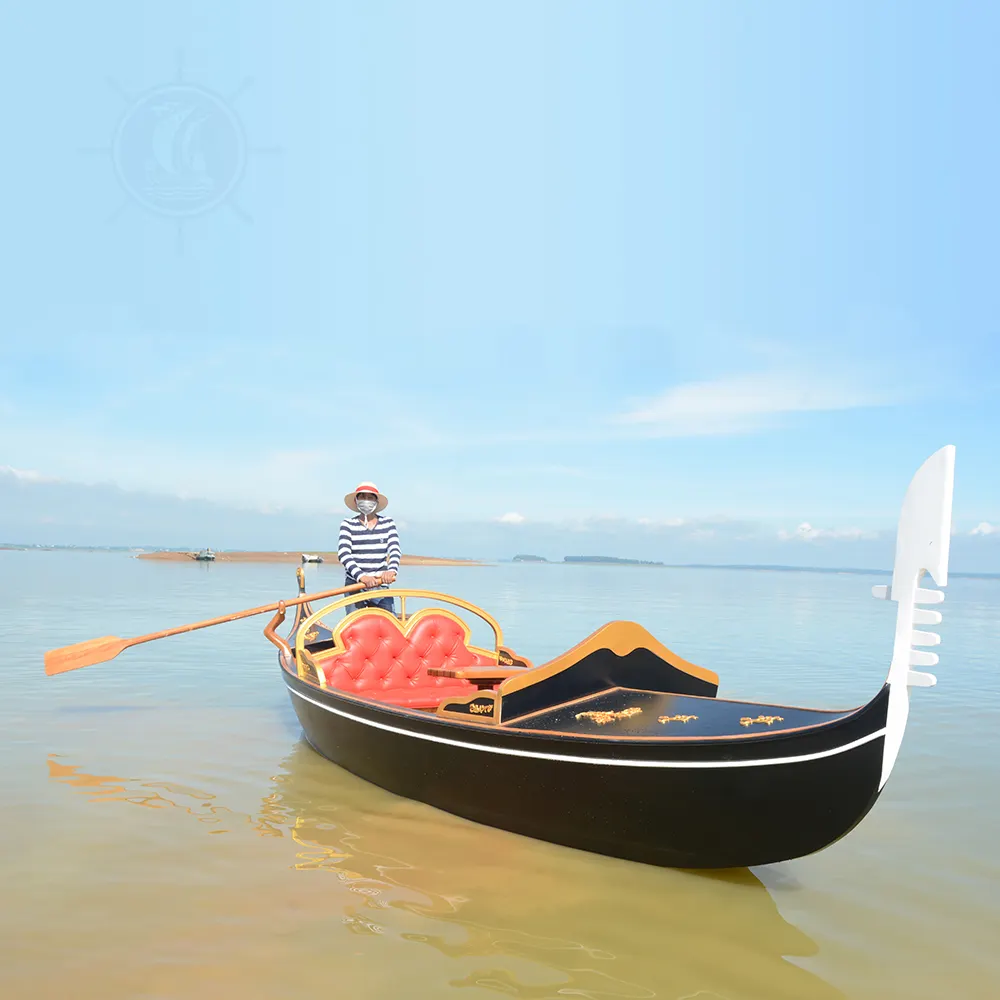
<point x="375" y="653"/>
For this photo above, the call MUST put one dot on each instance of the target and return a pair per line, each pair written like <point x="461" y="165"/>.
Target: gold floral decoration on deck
<point x="603" y="718"/>
<point x="676" y="718"/>
<point x="766" y="719"/>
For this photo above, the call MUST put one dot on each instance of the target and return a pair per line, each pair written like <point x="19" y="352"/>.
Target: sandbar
<point x="296" y="557"/>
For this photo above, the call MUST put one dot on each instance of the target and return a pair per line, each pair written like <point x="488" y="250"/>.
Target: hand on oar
<point x="83" y="654"/>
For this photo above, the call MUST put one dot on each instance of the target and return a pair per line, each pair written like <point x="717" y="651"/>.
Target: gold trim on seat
<point x="363" y="595"/>
<point x="318" y="660"/>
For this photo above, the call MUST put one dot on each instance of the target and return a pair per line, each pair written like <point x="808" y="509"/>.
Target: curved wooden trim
<point x="472" y="649"/>
<point x="272" y="636"/>
<point x="306" y="661"/>
<point x="339" y="648"/>
<point x="506" y="657"/>
<point x="621" y="638"/>
<point x="357" y="596"/>
<point x="489" y="718"/>
<point x="554" y="745"/>
<point x="559" y="740"/>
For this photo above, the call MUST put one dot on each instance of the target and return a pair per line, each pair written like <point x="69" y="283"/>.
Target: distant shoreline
<point x="758" y="567"/>
<point x="407" y="560"/>
<point x="296" y="557"/>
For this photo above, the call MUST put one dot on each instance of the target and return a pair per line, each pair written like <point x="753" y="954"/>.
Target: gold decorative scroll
<point x="676" y="718"/>
<point x="766" y="719"/>
<point x="603" y="718"/>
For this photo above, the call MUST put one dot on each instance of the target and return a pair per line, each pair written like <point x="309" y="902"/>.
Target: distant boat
<point x="206" y="555"/>
<point x="306" y="558"/>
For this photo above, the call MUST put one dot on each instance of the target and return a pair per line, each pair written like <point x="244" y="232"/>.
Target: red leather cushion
<point x="383" y="662"/>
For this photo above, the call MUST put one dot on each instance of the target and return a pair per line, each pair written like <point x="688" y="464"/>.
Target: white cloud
<point x="702" y="534"/>
<point x="667" y="528"/>
<point x="739" y="403"/>
<point x="805" y="532"/>
<point x="27" y="475"/>
<point x="271" y="510"/>
<point x="985" y="528"/>
<point x="512" y="517"/>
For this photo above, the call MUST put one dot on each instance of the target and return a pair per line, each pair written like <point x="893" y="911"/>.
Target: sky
<point x="696" y="282"/>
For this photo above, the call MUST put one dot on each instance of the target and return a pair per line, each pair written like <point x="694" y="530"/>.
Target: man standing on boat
<point x="369" y="546"/>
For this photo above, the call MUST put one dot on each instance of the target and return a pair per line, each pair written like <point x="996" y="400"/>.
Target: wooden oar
<point x="83" y="654"/>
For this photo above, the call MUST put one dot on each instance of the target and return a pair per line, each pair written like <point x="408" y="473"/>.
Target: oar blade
<point x="83" y="654"/>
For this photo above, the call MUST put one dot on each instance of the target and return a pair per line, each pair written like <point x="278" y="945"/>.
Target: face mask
<point x="367" y="507"/>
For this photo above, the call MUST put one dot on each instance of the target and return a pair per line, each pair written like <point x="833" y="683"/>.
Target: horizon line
<point x="578" y="561"/>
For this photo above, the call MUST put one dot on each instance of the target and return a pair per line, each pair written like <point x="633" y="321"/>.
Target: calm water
<point x="166" y="833"/>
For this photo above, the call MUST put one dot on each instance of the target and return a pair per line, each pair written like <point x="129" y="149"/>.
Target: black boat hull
<point x="696" y="804"/>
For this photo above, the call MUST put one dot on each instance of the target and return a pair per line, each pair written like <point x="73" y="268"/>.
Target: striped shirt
<point x="367" y="550"/>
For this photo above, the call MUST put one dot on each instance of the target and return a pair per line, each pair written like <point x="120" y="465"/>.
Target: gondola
<point x="618" y="746"/>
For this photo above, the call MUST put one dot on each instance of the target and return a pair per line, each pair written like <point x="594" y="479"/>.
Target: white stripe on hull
<point x="572" y="759"/>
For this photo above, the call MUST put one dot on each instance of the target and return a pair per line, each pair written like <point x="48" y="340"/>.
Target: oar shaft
<point x="263" y="609"/>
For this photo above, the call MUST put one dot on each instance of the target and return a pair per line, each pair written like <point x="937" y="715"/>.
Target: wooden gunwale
<point x="637" y="739"/>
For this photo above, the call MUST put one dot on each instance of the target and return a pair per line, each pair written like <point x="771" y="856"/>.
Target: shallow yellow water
<point x="167" y="834"/>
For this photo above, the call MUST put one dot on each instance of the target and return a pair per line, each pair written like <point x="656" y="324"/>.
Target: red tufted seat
<point x="383" y="661"/>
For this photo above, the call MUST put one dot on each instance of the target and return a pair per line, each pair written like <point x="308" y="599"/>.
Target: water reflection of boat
<point x="611" y="929"/>
<point x="618" y="746"/>
<point x="510" y="915"/>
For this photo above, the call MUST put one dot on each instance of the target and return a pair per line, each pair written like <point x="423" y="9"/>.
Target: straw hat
<point x="352" y="498"/>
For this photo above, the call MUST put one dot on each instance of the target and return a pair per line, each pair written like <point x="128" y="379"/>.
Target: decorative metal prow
<point x="923" y="541"/>
<point x="302" y="611"/>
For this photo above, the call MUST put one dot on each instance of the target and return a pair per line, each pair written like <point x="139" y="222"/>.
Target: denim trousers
<point x="387" y="603"/>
